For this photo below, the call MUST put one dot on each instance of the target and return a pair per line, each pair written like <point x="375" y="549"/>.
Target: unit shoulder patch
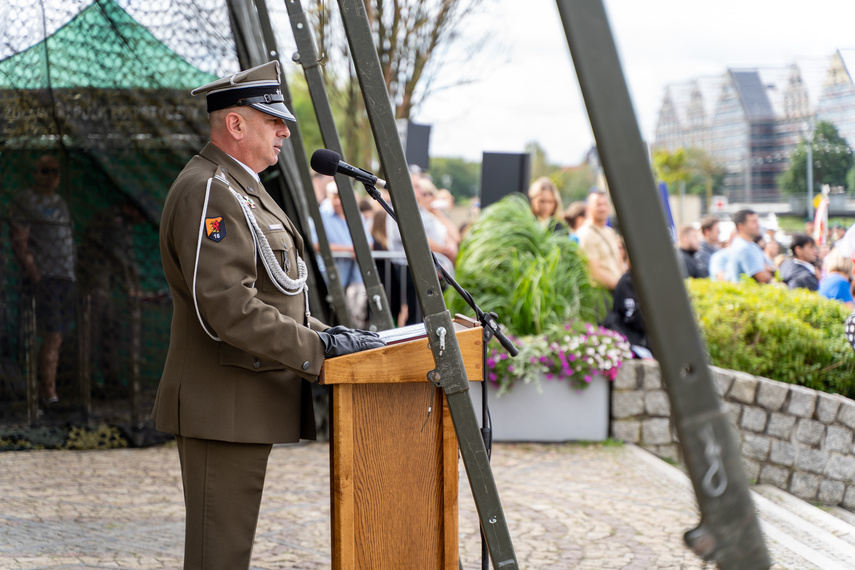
<point x="215" y="228"/>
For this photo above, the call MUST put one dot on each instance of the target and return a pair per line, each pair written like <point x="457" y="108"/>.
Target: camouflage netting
<point x="103" y="88"/>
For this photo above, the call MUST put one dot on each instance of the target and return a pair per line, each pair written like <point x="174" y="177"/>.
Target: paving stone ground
<point x="568" y="506"/>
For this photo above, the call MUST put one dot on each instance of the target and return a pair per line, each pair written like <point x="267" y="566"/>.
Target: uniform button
<point x="306" y="365"/>
<point x="256" y="364"/>
<point x="250" y="190"/>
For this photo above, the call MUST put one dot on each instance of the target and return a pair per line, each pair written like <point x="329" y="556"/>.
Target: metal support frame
<point x="307" y="57"/>
<point x="729" y="532"/>
<point x="449" y="374"/>
<point x="249" y="23"/>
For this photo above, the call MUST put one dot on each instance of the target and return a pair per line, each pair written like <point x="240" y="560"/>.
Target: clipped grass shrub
<point x="793" y="336"/>
<point x="530" y="276"/>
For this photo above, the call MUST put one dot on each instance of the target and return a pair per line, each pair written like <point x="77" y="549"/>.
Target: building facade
<point x="749" y="121"/>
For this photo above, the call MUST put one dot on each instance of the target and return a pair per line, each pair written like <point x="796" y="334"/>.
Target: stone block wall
<point x="791" y="437"/>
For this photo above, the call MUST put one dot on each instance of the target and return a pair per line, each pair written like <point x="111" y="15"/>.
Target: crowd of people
<point x="703" y="252"/>
<point x="753" y="252"/>
<point x="57" y="277"/>
<point x="750" y="251"/>
<point x="383" y="235"/>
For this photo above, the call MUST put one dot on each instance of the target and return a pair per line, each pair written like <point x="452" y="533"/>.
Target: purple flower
<point x="511" y="368"/>
<point x="491" y="362"/>
<point x="587" y="379"/>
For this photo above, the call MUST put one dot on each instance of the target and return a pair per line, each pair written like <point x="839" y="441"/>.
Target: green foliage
<point x="671" y="167"/>
<point x="832" y="161"/>
<point x="575" y="183"/>
<point x="105" y="437"/>
<point x="690" y="165"/>
<point x="304" y="110"/>
<point x="459" y="176"/>
<point x="530" y="276"/>
<point x="793" y="336"/>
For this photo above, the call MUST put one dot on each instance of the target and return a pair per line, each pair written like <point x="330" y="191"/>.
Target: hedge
<point x="793" y="336"/>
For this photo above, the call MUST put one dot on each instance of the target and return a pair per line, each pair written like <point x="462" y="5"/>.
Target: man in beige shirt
<point x="601" y="243"/>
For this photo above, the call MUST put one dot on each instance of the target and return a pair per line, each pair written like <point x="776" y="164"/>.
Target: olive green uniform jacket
<point x="251" y="385"/>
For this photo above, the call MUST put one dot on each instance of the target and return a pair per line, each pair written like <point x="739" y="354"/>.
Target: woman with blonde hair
<point x="546" y="203"/>
<point x="837" y="282"/>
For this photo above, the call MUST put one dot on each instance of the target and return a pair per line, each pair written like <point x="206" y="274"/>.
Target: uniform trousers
<point x="223" y="483"/>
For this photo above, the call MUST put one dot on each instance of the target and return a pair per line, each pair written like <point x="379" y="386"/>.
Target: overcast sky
<point x="531" y="92"/>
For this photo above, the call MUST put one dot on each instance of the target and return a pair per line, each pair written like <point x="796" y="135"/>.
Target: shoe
<point x="48" y="403"/>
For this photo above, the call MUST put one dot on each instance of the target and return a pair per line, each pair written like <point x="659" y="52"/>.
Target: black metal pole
<point x="729" y="532"/>
<point x="307" y="57"/>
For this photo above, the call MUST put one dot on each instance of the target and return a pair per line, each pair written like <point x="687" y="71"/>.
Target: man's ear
<point x="235" y="125"/>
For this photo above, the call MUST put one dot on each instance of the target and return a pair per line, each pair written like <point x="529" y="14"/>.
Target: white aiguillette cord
<point x="283" y="283"/>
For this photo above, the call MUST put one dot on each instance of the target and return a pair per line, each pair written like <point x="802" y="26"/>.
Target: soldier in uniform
<point x="243" y="345"/>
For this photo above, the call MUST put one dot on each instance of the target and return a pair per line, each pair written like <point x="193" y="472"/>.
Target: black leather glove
<point x="339" y="341"/>
<point x="342" y="329"/>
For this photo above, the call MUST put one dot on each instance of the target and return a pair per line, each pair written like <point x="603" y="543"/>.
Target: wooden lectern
<point x="393" y="456"/>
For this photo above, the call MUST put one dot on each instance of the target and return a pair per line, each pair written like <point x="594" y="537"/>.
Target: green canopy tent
<point x="111" y="102"/>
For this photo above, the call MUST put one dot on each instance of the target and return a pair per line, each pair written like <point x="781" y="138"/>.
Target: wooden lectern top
<point x="406" y="358"/>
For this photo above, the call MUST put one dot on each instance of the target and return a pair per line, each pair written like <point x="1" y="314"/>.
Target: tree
<point x="539" y="160"/>
<point x="457" y="175"/>
<point x="575" y="182"/>
<point x="413" y="40"/>
<point x="832" y="161"/>
<point x="690" y="165"/>
<point x="672" y="167"/>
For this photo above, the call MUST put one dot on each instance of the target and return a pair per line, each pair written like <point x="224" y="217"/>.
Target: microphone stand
<point x="489" y="327"/>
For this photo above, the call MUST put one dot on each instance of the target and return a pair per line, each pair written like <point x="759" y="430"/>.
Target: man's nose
<point x="284" y="131"/>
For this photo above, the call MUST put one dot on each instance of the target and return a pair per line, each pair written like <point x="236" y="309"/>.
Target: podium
<point x="394" y="456"/>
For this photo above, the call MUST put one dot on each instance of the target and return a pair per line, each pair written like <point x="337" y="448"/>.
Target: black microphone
<point x="325" y="161"/>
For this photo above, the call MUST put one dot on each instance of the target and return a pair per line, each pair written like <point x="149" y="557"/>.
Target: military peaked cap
<point x="259" y="88"/>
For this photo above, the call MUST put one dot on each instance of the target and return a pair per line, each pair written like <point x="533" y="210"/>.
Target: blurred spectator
<point x="772" y="249"/>
<point x="849" y="330"/>
<point x="444" y="201"/>
<point x="709" y="244"/>
<point x="846" y="244"/>
<point x="689" y="241"/>
<point x="320" y="183"/>
<point x="440" y="206"/>
<point x="574" y="216"/>
<point x="799" y="271"/>
<point x="838" y="277"/>
<point x="366" y="211"/>
<point x="43" y="243"/>
<point x="601" y="243"/>
<point x="809" y="227"/>
<point x="720" y="259"/>
<point x="389" y="274"/>
<point x="837" y="233"/>
<point x="443" y="237"/>
<point x="340" y="240"/>
<point x="109" y="281"/>
<point x="546" y="203"/>
<point x="746" y="257"/>
<point x="627" y="319"/>
<point x="441" y="240"/>
<point x="472" y="215"/>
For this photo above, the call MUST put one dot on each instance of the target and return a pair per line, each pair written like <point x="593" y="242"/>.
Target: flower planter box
<point x="559" y="413"/>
